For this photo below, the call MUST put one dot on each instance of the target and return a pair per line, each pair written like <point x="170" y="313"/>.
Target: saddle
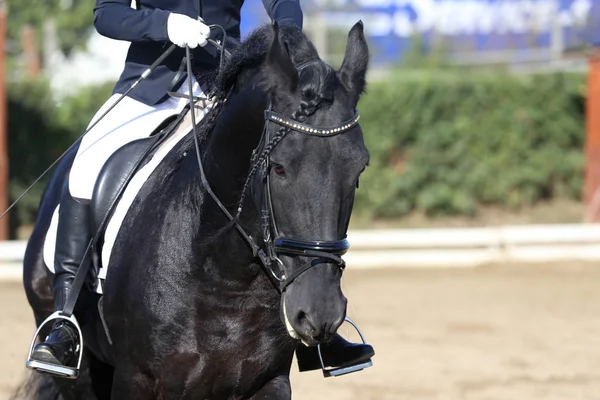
<point x="122" y="166"/>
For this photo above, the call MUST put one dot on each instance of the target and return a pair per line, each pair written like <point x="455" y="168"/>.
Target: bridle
<point x="321" y="251"/>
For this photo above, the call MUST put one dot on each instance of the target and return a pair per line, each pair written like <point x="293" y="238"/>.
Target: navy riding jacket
<point x="146" y="29"/>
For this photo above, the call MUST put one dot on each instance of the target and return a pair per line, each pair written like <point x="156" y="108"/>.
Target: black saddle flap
<point x="115" y="175"/>
<point x="120" y="168"/>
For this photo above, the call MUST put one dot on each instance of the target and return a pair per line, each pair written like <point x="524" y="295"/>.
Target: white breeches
<point x="128" y="121"/>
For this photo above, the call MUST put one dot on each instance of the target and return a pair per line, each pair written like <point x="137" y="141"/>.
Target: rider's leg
<point x="128" y="121"/>
<point x="73" y="239"/>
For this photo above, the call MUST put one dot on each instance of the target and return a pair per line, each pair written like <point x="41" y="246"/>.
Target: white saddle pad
<point x="120" y="211"/>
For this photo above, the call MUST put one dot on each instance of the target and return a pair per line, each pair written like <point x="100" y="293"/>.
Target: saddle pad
<point x="131" y="191"/>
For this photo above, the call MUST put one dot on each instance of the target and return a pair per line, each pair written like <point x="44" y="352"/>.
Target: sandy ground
<point x="499" y="332"/>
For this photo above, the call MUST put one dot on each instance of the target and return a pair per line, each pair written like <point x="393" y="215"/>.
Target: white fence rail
<point x="470" y="247"/>
<point x="11" y="260"/>
<point x="437" y="248"/>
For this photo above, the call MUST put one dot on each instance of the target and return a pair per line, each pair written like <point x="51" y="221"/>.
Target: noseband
<point x="321" y="251"/>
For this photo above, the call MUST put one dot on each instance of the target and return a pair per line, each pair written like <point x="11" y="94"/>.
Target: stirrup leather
<point x="59" y="370"/>
<point x="338" y="371"/>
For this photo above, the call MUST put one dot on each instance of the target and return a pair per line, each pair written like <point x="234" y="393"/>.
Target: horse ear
<point x="280" y="62"/>
<point x="354" y="67"/>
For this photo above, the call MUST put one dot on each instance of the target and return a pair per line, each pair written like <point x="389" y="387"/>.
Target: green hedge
<point x="440" y="142"/>
<point x="449" y="143"/>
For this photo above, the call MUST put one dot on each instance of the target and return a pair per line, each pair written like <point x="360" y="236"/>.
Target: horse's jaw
<point x="290" y="329"/>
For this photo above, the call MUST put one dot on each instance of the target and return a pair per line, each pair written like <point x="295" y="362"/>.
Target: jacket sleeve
<point x="117" y="20"/>
<point x="284" y="11"/>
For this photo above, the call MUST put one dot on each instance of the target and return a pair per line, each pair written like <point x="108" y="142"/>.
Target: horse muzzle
<point x="313" y="322"/>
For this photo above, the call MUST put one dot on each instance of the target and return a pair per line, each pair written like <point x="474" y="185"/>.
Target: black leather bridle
<point x="321" y="251"/>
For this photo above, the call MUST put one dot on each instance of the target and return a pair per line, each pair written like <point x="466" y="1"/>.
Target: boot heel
<point x="62" y="371"/>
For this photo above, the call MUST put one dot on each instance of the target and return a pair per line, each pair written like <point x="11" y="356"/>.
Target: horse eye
<point x="279" y="170"/>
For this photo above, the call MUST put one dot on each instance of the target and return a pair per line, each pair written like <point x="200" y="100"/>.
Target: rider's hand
<point x="185" y="31"/>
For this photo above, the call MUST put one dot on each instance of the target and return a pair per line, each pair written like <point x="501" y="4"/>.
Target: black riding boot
<point x="73" y="237"/>
<point x="338" y="353"/>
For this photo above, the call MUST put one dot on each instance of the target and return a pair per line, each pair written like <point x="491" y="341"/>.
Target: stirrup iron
<point x="338" y="371"/>
<point x="54" y="369"/>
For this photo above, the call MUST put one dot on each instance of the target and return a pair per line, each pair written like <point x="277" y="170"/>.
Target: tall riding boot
<point x="338" y="353"/>
<point x="73" y="237"/>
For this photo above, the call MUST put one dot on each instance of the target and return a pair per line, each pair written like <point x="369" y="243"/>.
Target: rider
<point x="149" y="27"/>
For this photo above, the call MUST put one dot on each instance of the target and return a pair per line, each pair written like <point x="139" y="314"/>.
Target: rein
<point x="275" y="244"/>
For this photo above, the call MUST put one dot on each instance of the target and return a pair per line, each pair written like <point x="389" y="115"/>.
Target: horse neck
<point x="226" y="162"/>
<point x="230" y="146"/>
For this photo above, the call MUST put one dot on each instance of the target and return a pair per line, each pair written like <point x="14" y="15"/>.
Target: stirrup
<point x="338" y="371"/>
<point x="59" y="370"/>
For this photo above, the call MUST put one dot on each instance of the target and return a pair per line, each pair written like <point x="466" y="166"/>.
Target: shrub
<point x="441" y="142"/>
<point x="447" y="143"/>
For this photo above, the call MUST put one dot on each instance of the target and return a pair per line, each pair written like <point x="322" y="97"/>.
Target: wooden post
<point x="4" y="195"/>
<point x="591" y="193"/>
<point x="30" y="51"/>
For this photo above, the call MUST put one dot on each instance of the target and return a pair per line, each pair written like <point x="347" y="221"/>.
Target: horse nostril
<point x="303" y="319"/>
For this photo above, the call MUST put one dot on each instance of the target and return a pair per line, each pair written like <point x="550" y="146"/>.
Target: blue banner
<point x="462" y="25"/>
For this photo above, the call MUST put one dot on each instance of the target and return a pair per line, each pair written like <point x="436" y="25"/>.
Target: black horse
<point x="199" y="305"/>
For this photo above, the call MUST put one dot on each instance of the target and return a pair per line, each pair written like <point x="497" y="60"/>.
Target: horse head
<point x="312" y="155"/>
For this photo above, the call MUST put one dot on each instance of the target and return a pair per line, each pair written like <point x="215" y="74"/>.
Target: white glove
<point x="185" y="31"/>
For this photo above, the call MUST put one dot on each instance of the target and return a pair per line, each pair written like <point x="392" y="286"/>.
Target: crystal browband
<point x="300" y="127"/>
